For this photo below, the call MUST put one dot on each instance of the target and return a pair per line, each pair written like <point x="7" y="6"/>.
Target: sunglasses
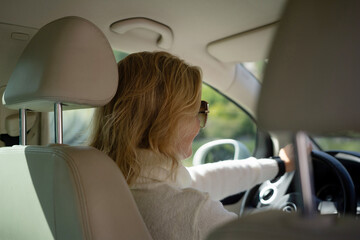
<point x="203" y="113"/>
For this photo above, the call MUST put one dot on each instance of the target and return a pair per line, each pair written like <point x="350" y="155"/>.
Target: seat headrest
<point x="312" y="80"/>
<point x="68" y="61"/>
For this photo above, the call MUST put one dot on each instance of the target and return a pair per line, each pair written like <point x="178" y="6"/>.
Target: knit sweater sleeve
<point x="225" y="178"/>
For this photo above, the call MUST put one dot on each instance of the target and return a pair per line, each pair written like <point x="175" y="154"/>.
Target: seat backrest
<point x="63" y="192"/>
<point x="59" y="191"/>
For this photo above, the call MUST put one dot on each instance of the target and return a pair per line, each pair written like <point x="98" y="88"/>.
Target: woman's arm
<point x="229" y="177"/>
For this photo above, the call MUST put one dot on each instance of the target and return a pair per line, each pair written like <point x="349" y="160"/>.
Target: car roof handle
<point x="165" y="39"/>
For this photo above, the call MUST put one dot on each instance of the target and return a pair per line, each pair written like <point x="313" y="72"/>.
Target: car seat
<point x="59" y="191"/>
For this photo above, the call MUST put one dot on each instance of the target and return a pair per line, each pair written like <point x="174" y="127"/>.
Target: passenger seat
<point x="59" y="191"/>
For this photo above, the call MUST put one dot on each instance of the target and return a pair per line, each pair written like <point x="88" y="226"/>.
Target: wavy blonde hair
<point x="156" y="90"/>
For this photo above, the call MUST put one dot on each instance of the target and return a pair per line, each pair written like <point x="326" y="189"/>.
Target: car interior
<point x="309" y="35"/>
<point x="287" y="66"/>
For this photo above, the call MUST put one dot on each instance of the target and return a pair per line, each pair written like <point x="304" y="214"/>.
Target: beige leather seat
<point x="59" y="191"/>
<point x="311" y="84"/>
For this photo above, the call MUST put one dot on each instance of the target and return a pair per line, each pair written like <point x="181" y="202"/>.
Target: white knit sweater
<point x="187" y="207"/>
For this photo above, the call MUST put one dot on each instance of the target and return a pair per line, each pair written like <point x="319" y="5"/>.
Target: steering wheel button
<point x="267" y="195"/>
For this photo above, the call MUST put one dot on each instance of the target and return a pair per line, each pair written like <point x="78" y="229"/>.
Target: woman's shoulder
<point x="164" y="192"/>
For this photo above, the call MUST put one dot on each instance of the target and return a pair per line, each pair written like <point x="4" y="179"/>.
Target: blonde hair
<point x="156" y="89"/>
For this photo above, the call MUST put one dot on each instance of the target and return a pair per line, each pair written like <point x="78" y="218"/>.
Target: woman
<point x="149" y="127"/>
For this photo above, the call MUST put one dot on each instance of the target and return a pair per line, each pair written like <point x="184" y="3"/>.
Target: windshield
<point x="350" y="142"/>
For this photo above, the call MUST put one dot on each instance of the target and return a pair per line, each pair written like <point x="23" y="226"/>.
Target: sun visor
<point x="249" y="46"/>
<point x="68" y="61"/>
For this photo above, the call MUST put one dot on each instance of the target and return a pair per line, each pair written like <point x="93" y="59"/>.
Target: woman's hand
<point x="287" y="155"/>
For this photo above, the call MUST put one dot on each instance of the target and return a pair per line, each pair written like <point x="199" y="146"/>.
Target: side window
<point x="76" y="126"/>
<point x="230" y="133"/>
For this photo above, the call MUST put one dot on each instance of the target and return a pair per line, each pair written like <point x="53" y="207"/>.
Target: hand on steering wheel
<point x="276" y="195"/>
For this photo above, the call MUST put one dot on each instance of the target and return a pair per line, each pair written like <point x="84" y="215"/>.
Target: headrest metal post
<point x="305" y="173"/>
<point x="58" y="117"/>
<point x="22" y="126"/>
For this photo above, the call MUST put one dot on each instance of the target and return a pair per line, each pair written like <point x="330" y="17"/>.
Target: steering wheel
<point x="280" y="193"/>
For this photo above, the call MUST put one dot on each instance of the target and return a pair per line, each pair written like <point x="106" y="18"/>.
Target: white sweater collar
<point x="156" y="168"/>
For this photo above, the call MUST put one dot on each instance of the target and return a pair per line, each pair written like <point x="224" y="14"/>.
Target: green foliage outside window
<point x="349" y="141"/>
<point x="226" y="120"/>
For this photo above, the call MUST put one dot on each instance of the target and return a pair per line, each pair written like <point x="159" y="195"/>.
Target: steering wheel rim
<point x="252" y="196"/>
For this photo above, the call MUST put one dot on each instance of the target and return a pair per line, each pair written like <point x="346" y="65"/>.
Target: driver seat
<point x="311" y="84"/>
<point x="60" y="191"/>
